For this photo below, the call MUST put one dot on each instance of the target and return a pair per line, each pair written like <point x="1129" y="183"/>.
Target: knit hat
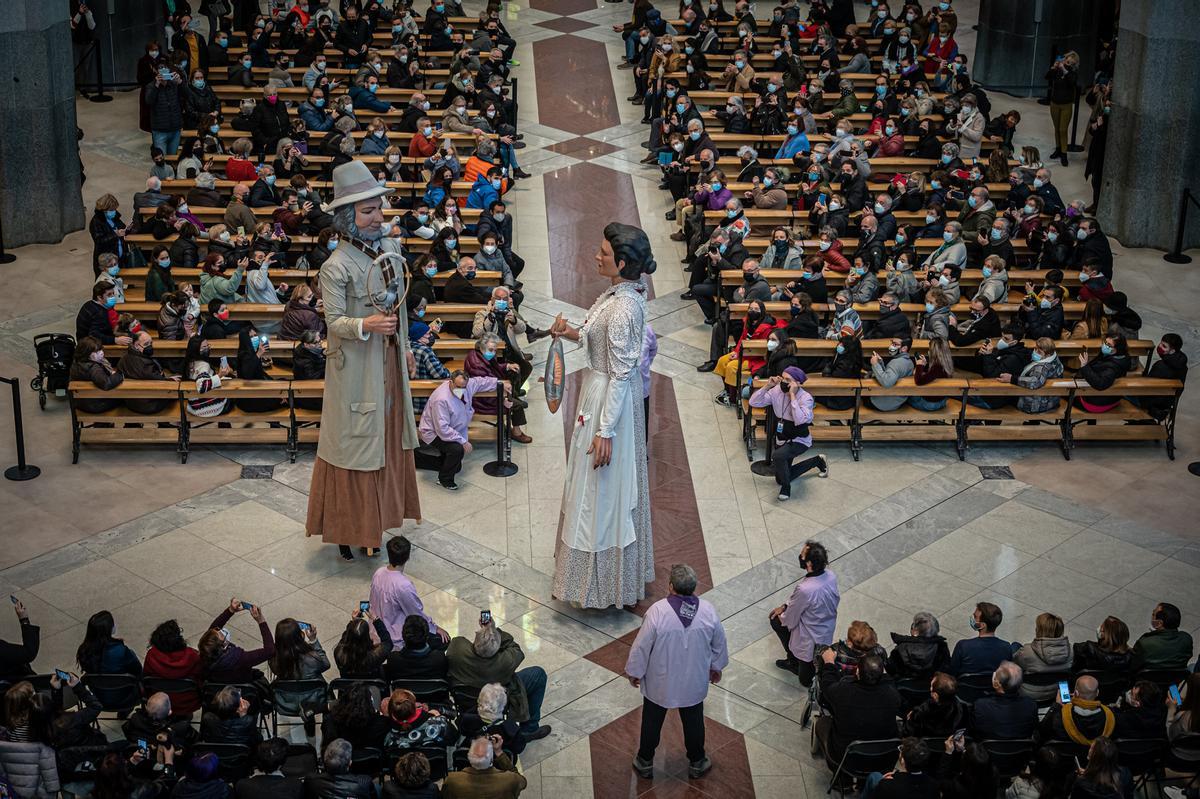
<point x="416" y="330"/>
<point x="796" y="373"/>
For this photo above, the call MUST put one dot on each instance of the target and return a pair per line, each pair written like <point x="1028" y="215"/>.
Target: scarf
<point x="1110" y="721"/>
<point x="1043" y="362"/>
<point x="685" y="608"/>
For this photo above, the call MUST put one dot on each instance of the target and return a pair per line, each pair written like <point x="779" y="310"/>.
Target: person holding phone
<point x="15" y="659"/>
<point x="1183" y="716"/>
<point x="394" y="598"/>
<point x="356" y="655"/>
<point x="221" y="660"/>
<point x="1082" y="719"/>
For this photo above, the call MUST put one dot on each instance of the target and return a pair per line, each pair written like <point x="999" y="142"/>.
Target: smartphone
<point x="142" y="745"/>
<point x="823" y="199"/>
<point x="959" y="737"/>
<point x="304" y="626"/>
<point x="1064" y="693"/>
<point x="247" y="605"/>
<point x="62" y="675"/>
<point x="13" y="598"/>
<point x="278" y="229"/>
<point x="1175" y="695"/>
<point x="225" y="634"/>
<point x="485" y="617"/>
<point x="241" y="230"/>
<point x="987" y="342"/>
<point x="364" y="606"/>
<point x="225" y="365"/>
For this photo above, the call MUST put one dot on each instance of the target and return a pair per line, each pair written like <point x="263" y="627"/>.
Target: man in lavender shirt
<point x="394" y="598"/>
<point x="679" y="650"/>
<point x="809" y="617"/>
<point x="444" y="424"/>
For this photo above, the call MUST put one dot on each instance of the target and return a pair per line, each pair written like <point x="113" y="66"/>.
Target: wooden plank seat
<point x="467" y="245"/>
<point x="213" y="215"/>
<point x="261" y="312"/>
<point x="969" y="278"/>
<point x="757" y="244"/>
<point x="181" y="186"/>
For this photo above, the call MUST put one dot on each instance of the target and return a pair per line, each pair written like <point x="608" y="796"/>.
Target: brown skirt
<point x="352" y="507"/>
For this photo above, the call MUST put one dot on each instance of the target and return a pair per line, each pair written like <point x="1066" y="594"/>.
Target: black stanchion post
<point x="1176" y="255"/>
<point x="502" y="466"/>
<point x="764" y="467"/>
<point x="23" y="470"/>
<point x="100" y="96"/>
<point x="5" y="257"/>
<point x="1073" y="147"/>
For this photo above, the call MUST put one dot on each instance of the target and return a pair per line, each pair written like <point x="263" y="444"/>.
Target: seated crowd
<point x="1047" y="719"/>
<point x="884" y="199"/>
<point x="259" y="232"/>
<point x="412" y="704"/>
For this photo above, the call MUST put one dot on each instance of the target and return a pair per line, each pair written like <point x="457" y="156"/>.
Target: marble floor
<point x="910" y="527"/>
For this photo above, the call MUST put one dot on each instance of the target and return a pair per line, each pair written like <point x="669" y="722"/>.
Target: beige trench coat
<point x="352" y="413"/>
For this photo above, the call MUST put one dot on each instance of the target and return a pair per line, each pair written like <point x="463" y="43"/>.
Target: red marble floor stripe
<point x="565" y="7"/>
<point x="614" y="654"/>
<point x="574" y="84"/>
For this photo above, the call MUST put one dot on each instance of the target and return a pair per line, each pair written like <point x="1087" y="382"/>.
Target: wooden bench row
<point x="288" y="425"/>
<point x="213" y="215"/>
<point x="961" y="422"/>
<point x="262" y="312"/>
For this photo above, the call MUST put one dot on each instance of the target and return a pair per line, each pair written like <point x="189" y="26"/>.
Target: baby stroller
<point x="54" y="354"/>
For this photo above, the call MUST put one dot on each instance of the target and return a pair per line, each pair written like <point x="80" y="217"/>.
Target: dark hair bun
<point x="631" y="245"/>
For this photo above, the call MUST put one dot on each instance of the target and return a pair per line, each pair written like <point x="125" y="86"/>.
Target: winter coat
<point x="1043" y="655"/>
<point x="917" y="656"/>
<point x="1034" y="376"/>
<point x="937" y="323"/>
<point x="183" y="664"/>
<point x="31" y="768"/>
<point x="166" y="108"/>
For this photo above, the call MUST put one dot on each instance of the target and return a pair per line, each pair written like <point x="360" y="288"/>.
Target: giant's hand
<point x="601" y="449"/>
<point x="380" y="323"/>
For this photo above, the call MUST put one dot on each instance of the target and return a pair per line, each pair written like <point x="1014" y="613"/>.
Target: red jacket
<point x="834" y="260"/>
<point x="240" y="169"/>
<point x="944" y="49"/>
<point x="421" y="147"/>
<point x="752" y="363"/>
<point x="181" y="665"/>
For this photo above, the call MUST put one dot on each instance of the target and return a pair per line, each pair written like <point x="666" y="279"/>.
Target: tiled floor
<point x="911" y="527"/>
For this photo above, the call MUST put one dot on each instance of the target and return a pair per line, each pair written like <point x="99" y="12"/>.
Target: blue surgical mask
<point x="929" y="307"/>
<point x="739" y="64"/>
<point x="813" y="176"/>
<point x="841" y="349"/>
<point x="110" y="302"/>
<point x="1106" y="350"/>
<point x="1001" y="344"/>
<point x="110" y="214"/>
<point x="430" y="271"/>
<point x="903" y="112"/>
<point x="116" y="268"/>
<point x="971" y="201"/>
<point x="421" y="312"/>
<point x="694" y="135"/>
<point x="812" y="275"/>
<point x="943" y="280"/>
<point x="671" y="94"/>
<point x="880" y="91"/>
<point x="997" y="234"/>
<point x="199" y="84"/>
<point x="1038" y="183"/>
<point x="332" y="244"/>
<point x="270" y="179"/>
<point x="680" y="108"/>
<point x="319" y="102"/>
<point x="860" y="270"/>
<point x="451" y="244"/>
<point x="974" y="624"/>
<point x="374" y="87"/>
<point x="987" y="271"/>
<point x="715" y="186"/>
<point x="214" y="129"/>
<point x="732" y="214"/>
<point x="1036" y="356"/>
<point x="1045" y="303"/>
<point x="947" y="236"/>
<point x="722" y="248"/>
<point x="878" y="208"/>
<point x="488" y="354"/>
<point x="1081" y="234"/>
<point x="767" y="182"/>
<point x="501" y="305"/>
<point x="935" y="184"/>
<point x="890" y="130"/>
<point x="792" y="130"/>
<point x="1051" y="237"/>
<point x="246" y="62"/>
<point x="165" y="263"/>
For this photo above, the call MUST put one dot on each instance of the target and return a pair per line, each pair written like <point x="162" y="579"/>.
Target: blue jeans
<point x="923" y="404"/>
<point x="165" y="140"/>
<point x="534" y="680"/>
<point x="630" y="46"/>
<point x="869" y="785"/>
<point x="508" y="158"/>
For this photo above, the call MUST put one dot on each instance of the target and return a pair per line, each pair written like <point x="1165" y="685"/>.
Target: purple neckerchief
<point x="685" y="608"/>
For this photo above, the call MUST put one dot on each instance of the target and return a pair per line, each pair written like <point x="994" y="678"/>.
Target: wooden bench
<point x="967" y="279"/>
<point x="261" y="312"/>
<point x="756" y="245"/>
<point x="286" y="425"/>
<point x="459" y="188"/>
<point x="467" y="245"/>
<point x="211" y="216"/>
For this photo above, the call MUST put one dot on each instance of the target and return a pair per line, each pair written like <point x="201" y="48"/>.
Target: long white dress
<point x="604" y="554"/>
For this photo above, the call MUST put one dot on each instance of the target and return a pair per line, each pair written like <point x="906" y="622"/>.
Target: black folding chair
<point x="1184" y="756"/>
<point x="433" y="692"/>
<point x="172" y="687"/>
<point x="1009" y="756"/>
<point x="913" y="691"/>
<point x="233" y="760"/>
<point x="1144" y="758"/>
<point x="378" y="688"/>
<point x="466" y="698"/>
<point x="117" y="693"/>
<point x="863" y="757"/>
<point x="1163" y="678"/>
<point x="1047" y="679"/>
<point x="972" y="686"/>
<point x="1112" y="684"/>
<point x="368" y="760"/>
<point x="260" y="702"/>
<point x="291" y="698"/>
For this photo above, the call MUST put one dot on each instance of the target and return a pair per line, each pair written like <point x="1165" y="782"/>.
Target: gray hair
<point x="845" y="294"/>
<point x="500" y="291"/>
<point x="683" y="579"/>
<point x="158" y="706"/>
<point x="733" y="204"/>
<point x="737" y="101"/>
<point x="227" y="700"/>
<point x="486" y="339"/>
<point x="955" y="227"/>
<point x="695" y="124"/>
<point x="485" y="149"/>
<point x="487" y="641"/>
<point x="1009" y="676"/>
<point x="343" y="222"/>
<point x="746" y="151"/>
<point x="924" y="624"/>
<point x="480" y="754"/>
<point x="493" y="699"/>
<point x="950" y="149"/>
<point x="206" y="180"/>
<point x="338" y="755"/>
<point x="153" y="183"/>
<point x="106" y="259"/>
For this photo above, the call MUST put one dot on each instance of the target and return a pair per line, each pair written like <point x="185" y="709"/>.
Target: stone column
<point x="1017" y="41"/>
<point x="39" y="153"/>
<point x="1153" y="147"/>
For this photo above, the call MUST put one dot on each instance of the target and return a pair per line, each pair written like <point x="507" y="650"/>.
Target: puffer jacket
<point x="31" y="768"/>
<point x="937" y="323"/>
<point x="1043" y="655"/>
<point x="917" y="656"/>
<point x="1034" y="376"/>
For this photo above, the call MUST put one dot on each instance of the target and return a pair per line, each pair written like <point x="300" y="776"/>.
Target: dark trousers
<point x="706" y="297"/>
<point x="653" y="717"/>
<point x="805" y="668"/>
<point x="448" y="461"/>
<point x="646" y="419"/>
<point x="781" y="462"/>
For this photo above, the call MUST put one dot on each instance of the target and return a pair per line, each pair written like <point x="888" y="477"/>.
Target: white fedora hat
<point x="353" y="182"/>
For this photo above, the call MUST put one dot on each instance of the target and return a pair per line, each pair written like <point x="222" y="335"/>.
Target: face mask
<point x="199" y="84"/>
<point x="860" y="270"/>
<point x="1051" y="237"/>
<point x="677" y="146"/>
<point x="813" y="275"/>
<point x="671" y="93"/>
<point x="679" y="109"/>
<point x="246" y="62"/>
<point x="948" y="237"/>
<point x="971" y="201"/>
<point x="689" y="50"/>
<point x="893" y="349"/>
<point x="945" y="160"/>
<point x="374" y="87"/>
<point x="792" y="130"/>
<point x="879" y="208"/>
<point x="1036" y="356"/>
<point x="904" y="39"/>
<point x="110" y="214"/>
<point x="825" y="245"/>
<point x="332" y="244"/>
<point x="842" y="133"/>
<point x="739" y="64"/>
<point x="270" y="180"/>
<point x="667" y="47"/>
<point x="880" y="91"/>
<point x="731" y="214"/>
<point x="997" y="234"/>
<point x="645" y="39"/>
<point x="772" y="345"/>
<point x="223" y="315"/>
<point x="1081" y="234"/>
<point x="1106" y="350"/>
<point x="1045" y="303"/>
<point x="934" y="184"/>
<point x="459" y="392"/>
<point x="890" y="129"/>
<point x="1002" y="344"/>
<point x="929" y="307"/>
<point x="889" y="31"/>
<point x="943" y="280"/>
<point x="451" y="244"/>
<point x="470" y="275"/>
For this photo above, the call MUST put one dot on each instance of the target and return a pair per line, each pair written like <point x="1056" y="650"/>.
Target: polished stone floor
<point x="911" y="528"/>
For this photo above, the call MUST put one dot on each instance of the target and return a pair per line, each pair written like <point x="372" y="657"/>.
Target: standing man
<point x="679" y="650"/>
<point x="364" y="480"/>
<point x="809" y="617"/>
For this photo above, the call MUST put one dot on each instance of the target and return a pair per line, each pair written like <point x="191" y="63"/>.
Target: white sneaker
<point x="823" y="469"/>
<point x="1174" y="792"/>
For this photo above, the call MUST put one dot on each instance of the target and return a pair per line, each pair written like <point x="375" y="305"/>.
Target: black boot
<point x="346" y="553"/>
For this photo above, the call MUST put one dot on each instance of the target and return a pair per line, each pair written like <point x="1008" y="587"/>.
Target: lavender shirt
<point x="393" y="599"/>
<point x="649" y="350"/>
<point x="811" y="614"/>
<point x="673" y="662"/>
<point x="795" y="406"/>
<point x="446" y="416"/>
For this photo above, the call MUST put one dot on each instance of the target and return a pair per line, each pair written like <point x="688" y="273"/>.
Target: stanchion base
<point x="1194" y="468"/>
<point x="20" y="473"/>
<point x="762" y="468"/>
<point x="8" y="258"/>
<point x="1074" y="148"/>
<point x="1172" y="258"/>
<point x="101" y="98"/>
<point x="500" y="469"/>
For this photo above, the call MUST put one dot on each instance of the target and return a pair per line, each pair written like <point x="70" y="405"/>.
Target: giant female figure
<point x="604" y="554"/>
